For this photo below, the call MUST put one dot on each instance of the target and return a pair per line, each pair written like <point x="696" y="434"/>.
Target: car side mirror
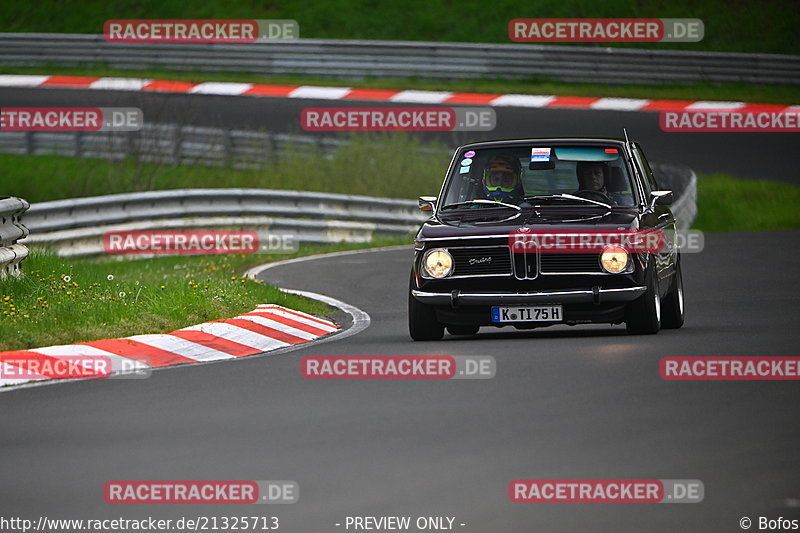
<point x="661" y="198"/>
<point x="427" y="203"/>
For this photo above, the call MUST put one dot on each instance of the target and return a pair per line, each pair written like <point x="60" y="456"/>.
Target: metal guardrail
<point x="683" y="182"/>
<point x="11" y="230"/>
<point x="406" y="59"/>
<point x="173" y="144"/>
<point x="76" y="226"/>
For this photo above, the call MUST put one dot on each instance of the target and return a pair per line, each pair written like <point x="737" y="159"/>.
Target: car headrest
<point x="616" y="182"/>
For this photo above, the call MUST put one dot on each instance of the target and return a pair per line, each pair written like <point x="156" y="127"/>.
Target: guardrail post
<point x="176" y="145"/>
<point x="78" y="148"/>
<point x="11" y="230"/>
<point x="227" y="143"/>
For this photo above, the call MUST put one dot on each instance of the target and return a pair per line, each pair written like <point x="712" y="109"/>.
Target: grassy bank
<point x="62" y="301"/>
<point x="745" y="92"/>
<point x="369" y="165"/>
<point x="729" y="204"/>
<point x="738" y="25"/>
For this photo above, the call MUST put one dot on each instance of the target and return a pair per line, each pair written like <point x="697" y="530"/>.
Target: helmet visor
<point x="500" y="179"/>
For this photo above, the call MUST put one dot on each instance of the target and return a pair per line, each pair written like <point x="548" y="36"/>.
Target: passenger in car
<point x="597" y="177"/>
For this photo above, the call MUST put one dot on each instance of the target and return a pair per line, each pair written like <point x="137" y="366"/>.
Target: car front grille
<point x="569" y="263"/>
<point x="499" y="261"/>
<point x="525" y="264"/>
<point x="481" y="260"/>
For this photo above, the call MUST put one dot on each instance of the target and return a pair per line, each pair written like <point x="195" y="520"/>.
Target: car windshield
<point x="539" y="175"/>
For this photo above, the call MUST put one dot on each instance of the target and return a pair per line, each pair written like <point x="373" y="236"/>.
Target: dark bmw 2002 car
<point x="486" y="256"/>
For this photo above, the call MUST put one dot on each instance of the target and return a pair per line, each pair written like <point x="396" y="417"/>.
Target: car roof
<point x="546" y="141"/>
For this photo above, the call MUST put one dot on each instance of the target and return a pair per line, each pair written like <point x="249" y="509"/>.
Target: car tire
<point x="463" y="330"/>
<point x="422" y="323"/>
<point x="643" y="315"/>
<point x="672" y="306"/>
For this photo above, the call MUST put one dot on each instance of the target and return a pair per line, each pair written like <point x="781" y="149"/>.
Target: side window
<point x="651" y="180"/>
<point x="638" y="175"/>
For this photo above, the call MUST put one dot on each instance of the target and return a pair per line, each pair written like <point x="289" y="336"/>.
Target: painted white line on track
<point x="255" y="271"/>
<point x="182" y="347"/>
<point x="716" y="105"/>
<point x="322" y="93"/>
<point x="421" y="97"/>
<point x="20" y="80"/>
<point x="296" y="318"/>
<point x="225" y="88"/>
<point x="522" y="100"/>
<point x="274" y="324"/>
<point x="620" y="104"/>
<point x="240" y="335"/>
<point x="120" y="84"/>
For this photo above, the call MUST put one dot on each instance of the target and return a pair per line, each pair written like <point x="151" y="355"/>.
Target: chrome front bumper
<point x="595" y="295"/>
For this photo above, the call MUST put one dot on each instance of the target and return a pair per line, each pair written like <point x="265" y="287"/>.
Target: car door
<point x="660" y="218"/>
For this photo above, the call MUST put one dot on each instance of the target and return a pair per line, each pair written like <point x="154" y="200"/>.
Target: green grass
<point x="63" y="301"/>
<point x="373" y="165"/>
<point x="745" y="92"/>
<point x="730" y="25"/>
<point x="729" y="204"/>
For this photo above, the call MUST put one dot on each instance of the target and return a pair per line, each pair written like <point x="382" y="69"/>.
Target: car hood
<point x="550" y="219"/>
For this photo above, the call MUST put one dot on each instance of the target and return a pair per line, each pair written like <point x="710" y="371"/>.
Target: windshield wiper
<point x="482" y="202"/>
<point x="565" y="196"/>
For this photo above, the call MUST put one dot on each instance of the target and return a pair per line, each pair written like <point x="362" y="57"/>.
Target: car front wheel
<point x="643" y="315"/>
<point x="672" y="309"/>
<point x="422" y="323"/>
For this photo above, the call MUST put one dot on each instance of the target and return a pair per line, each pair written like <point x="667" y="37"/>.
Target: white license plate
<point x="539" y="313"/>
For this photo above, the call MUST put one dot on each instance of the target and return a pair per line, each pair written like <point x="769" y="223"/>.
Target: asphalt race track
<point x="584" y="402"/>
<point x="746" y="155"/>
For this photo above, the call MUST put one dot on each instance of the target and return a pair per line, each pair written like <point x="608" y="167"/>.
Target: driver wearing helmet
<point x="501" y="180"/>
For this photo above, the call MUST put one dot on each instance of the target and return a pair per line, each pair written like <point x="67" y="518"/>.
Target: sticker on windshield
<point x="466" y="162"/>
<point x="469" y="154"/>
<point x="464" y="170"/>
<point x="539" y="155"/>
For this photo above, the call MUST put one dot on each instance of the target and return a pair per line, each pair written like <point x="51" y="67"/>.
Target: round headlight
<point x="438" y="263"/>
<point x="614" y="259"/>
